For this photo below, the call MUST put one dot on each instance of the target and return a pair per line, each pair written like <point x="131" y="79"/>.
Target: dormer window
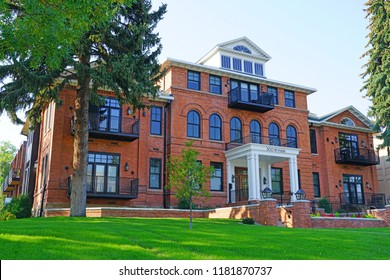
<point x="242" y="48"/>
<point x="347" y="121"/>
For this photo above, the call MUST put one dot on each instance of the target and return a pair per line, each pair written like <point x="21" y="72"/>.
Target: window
<point x="255" y="132"/>
<point x="216" y="181"/>
<point x="242" y="48"/>
<point x="193" y="80"/>
<point x="349" y="146"/>
<point x="155" y="120"/>
<point x="313" y="141"/>
<point x="247" y="92"/>
<point x="274" y="92"/>
<point x="106" y="117"/>
<point x="277" y="182"/>
<point x="103" y="173"/>
<point x="248" y="68"/>
<point x="235" y="130"/>
<point x="259" y="71"/>
<point x="289" y="98"/>
<point x="193" y="124"/>
<point x="292" y="140"/>
<point x="353" y="189"/>
<point x="347" y="121"/>
<point x="155" y="173"/>
<point x="44" y="171"/>
<point x="237" y="64"/>
<point x="316" y="184"/>
<point x="48" y="117"/>
<point x="215" y="84"/>
<point x="215" y="127"/>
<point x="273" y="133"/>
<point x="225" y="61"/>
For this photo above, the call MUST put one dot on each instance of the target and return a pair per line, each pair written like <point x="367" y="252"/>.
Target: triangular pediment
<point x="234" y="46"/>
<point x="240" y="47"/>
<point x="349" y="117"/>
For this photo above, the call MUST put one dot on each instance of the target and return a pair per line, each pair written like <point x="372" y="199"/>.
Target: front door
<point x="241" y="180"/>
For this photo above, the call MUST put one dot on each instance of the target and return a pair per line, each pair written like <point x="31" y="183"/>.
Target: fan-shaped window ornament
<point x="242" y="48"/>
<point x="347" y="121"/>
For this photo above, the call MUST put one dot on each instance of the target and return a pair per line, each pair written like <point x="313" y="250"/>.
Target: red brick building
<point x="255" y="131"/>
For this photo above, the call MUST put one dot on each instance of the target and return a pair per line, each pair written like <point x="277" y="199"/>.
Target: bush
<point x="20" y="207"/>
<point x="248" y="221"/>
<point x="6" y="216"/>
<point x="184" y="204"/>
<point x="324" y="203"/>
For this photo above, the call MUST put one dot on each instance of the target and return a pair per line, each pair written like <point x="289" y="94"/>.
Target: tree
<point x="377" y="69"/>
<point x="187" y="176"/>
<point x="97" y="43"/>
<point x="7" y="153"/>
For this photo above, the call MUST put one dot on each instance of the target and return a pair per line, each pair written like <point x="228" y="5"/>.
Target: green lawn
<point x="145" y="239"/>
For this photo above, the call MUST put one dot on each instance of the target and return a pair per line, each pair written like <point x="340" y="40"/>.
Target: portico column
<point x="257" y="185"/>
<point x="253" y="176"/>
<point x="294" y="186"/>
<point x="229" y="173"/>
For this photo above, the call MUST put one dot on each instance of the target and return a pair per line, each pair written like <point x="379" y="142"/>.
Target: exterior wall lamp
<point x="126" y="166"/>
<point x="128" y="111"/>
<point x="266" y="192"/>
<point x="233" y="178"/>
<point x="264" y="181"/>
<point x="300" y="194"/>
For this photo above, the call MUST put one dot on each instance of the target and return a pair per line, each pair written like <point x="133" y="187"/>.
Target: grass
<point x="170" y="239"/>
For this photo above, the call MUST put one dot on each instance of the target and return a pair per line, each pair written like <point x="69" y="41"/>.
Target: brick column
<point x="301" y="214"/>
<point x="386" y="215"/>
<point x="268" y="214"/>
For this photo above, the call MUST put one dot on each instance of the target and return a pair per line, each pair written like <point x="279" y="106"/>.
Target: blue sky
<point x="313" y="43"/>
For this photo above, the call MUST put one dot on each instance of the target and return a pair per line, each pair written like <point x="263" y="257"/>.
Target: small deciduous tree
<point x="186" y="177"/>
<point x="7" y="152"/>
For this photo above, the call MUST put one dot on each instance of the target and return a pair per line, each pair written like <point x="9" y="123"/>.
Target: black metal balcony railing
<point x="111" y="127"/>
<point x="238" y="195"/>
<point x="110" y="187"/>
<point x="359" y="156"/>
<point x="252" y="101"/>
<point x="273" y="141"/>
<point x="351" y="201"/>
<point x="12" y="179"/>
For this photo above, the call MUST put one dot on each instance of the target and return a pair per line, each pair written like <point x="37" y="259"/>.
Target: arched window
<point x="235" y="130"/>
<point x="215" y="128"/>
<point x="274" y="135"/>
<point x="347" y="121"/>
<point x="255" y="131"/>
<point x="242" y="48"/>
<point x="292" y="140"/>
<point x="193" y="124"/>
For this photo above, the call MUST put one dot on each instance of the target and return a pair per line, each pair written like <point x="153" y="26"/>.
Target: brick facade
<point x="55" y="153"/>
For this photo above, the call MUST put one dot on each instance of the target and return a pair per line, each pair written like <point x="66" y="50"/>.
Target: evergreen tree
<point x="97" y="43"/>
<point x="377" y="69"/>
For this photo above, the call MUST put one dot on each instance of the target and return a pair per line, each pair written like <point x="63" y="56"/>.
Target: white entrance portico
<point x="258" y="158"/>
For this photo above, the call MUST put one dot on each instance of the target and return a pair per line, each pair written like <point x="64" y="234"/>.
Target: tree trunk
<point x="80" y="155"/>
<point x="190" y="212"/>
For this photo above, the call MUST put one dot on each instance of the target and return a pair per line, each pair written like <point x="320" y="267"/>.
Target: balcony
<point x="359" y="156"/>
<point x="12" y="180"/>
<point x="273" y="141"/>
<point x="111" y="127"/>
<point x="256" y="102"/>
<point x="362" y="201"/>
<point x="110" y="187"/>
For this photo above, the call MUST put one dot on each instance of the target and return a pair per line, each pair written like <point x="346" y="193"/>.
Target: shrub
<point x="324" y="203"/>
<point x="19" y="206"/>
<point x="248" y="221"/>
<point x="183" y="204"/>
<point x="6" y="216"/>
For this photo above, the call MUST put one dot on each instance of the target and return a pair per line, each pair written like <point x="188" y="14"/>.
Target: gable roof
<point x="257" y="52"/>
<point x="325" y="119"/>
